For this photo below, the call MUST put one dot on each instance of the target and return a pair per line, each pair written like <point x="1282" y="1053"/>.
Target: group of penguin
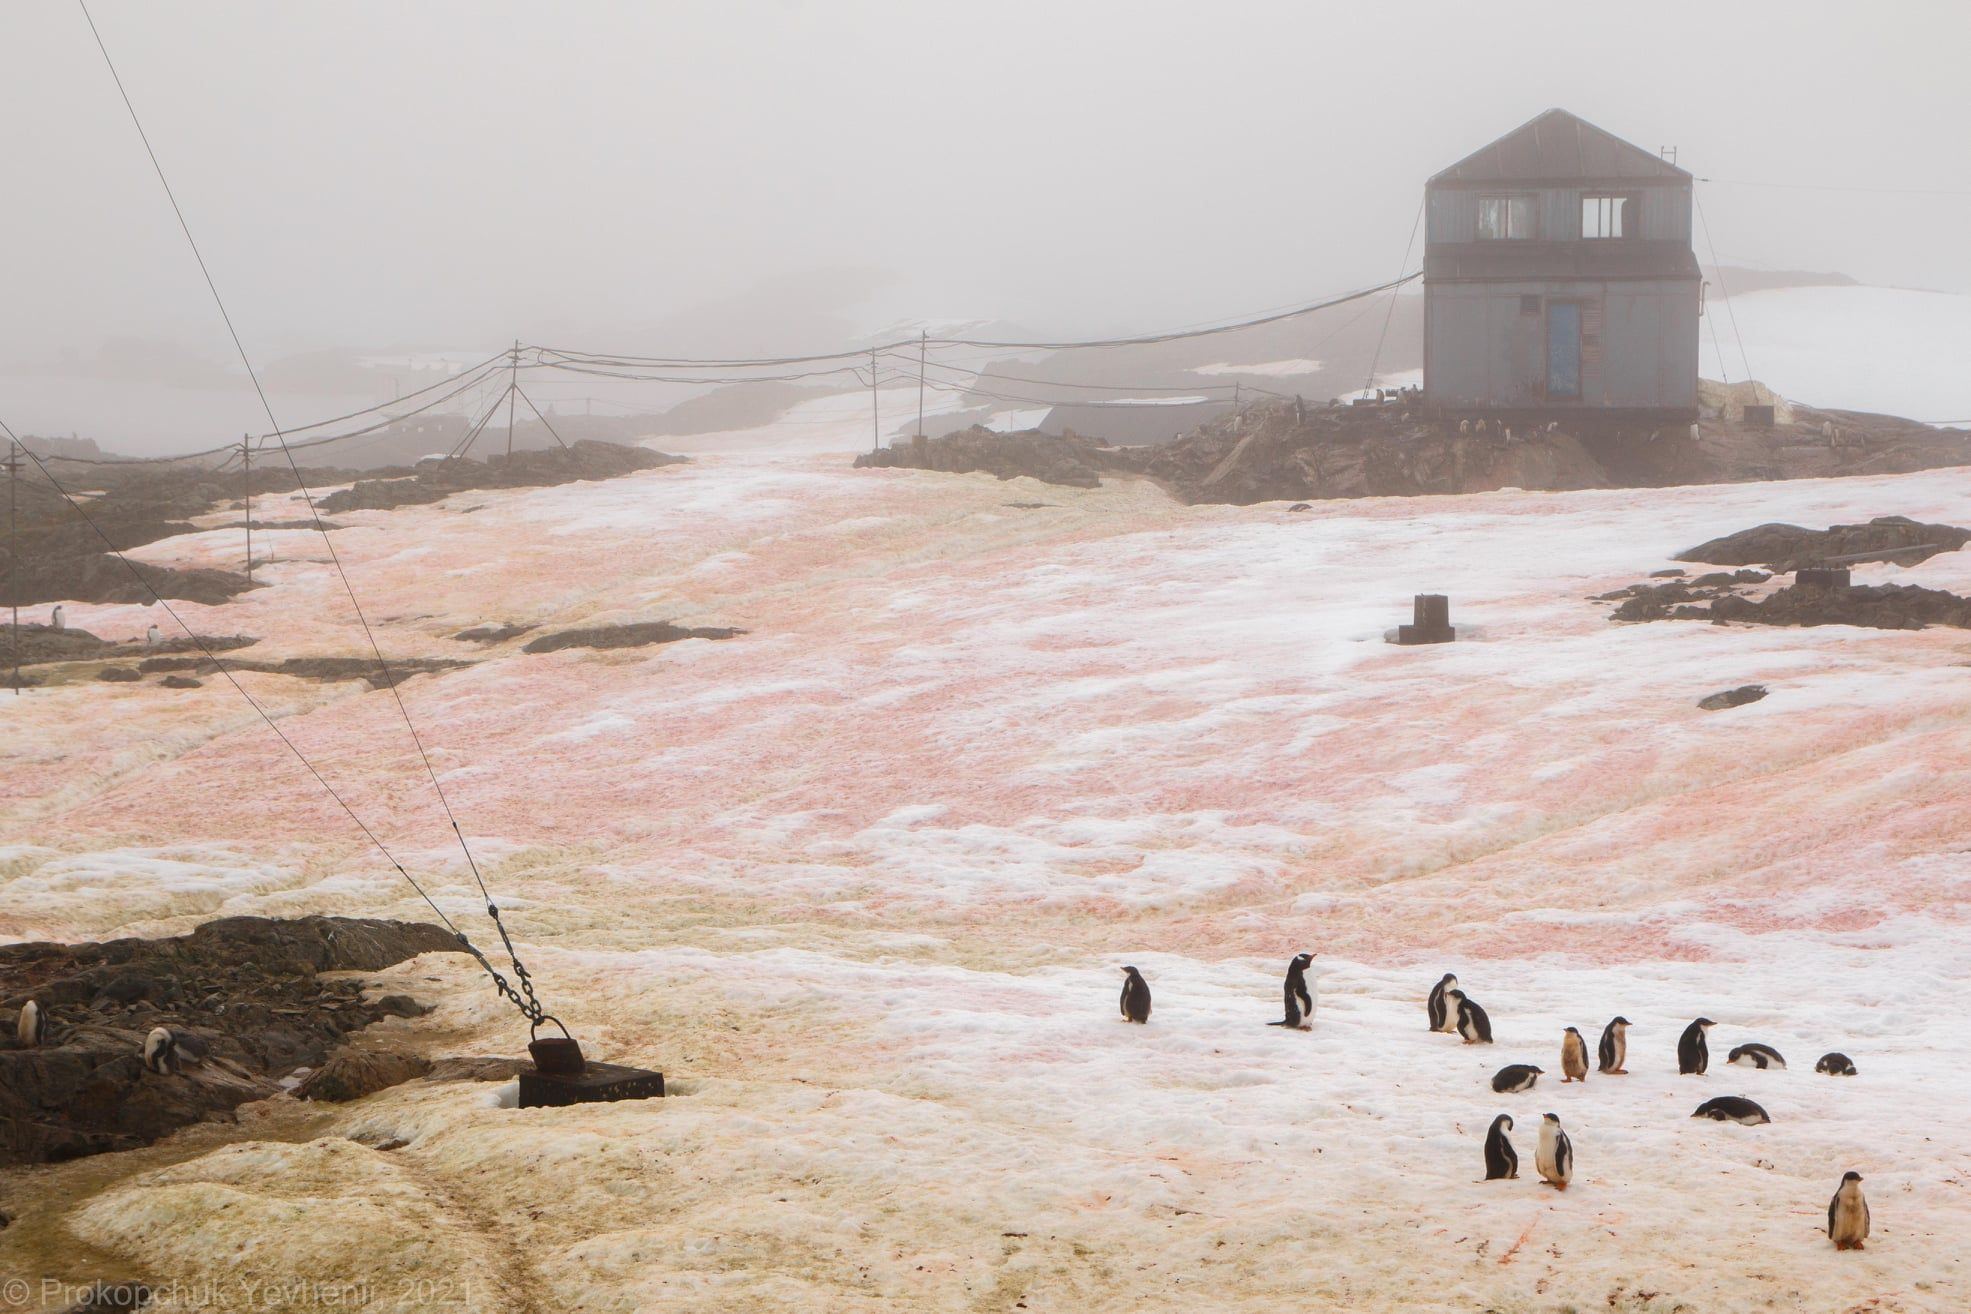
<point x="165" y="1050"/>
<point x="1450" y="1010"/>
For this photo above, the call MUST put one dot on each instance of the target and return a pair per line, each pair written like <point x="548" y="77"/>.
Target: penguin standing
<point x="57" y="618"/>
<point x="1500" y="1158"/>
<point x="1836" y="1064"/>
<point x="1573" y="1057"/>
<point x="1693" y="1053"/>
<point x="152" y="637"/>
<point x="1847" y="1214"/>
<point x="1515" y="1077"/>
<point x="1555" y="1157"/>
<point x="160" y="1053"/>
<point x="1135" y="996"/>
<point x="1299" y="1003"/>
<point x="1614" y="1047"/>
<point x="1756" y="1055"/>
<point x="1473" y="1024"/>
<point x="27" y="1026"/>
<point x="1443" y="1017"/>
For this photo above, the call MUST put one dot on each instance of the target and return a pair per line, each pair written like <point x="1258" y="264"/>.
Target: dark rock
<point x="181" y="682"/>
<point x="638" y="635"/>
<point x="328" y="670"/>
<point x="1301" y="506"/>
<point x="494" y="633"/>
<point x="40" y="645"/>
<point x="103" y="1297"/>
<point x="1784" y="548"/>
<point x="247" y="985"/>
<point x="536" y="469"/>
<point x="401" y="1006"/>
<point x="351" y="1074"/>
<point x="478" y="1069"/>
<point x="1067" y="460"/>
<point x="1672" y="573"/>
<point x="1745" y="693"/>
<point x="118" y="675"/>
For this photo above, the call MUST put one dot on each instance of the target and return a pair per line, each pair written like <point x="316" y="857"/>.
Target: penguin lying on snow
<point x="1756" y="1055"/>
<point x="1573" y="1057"/>
<point x="1515" y="1077"/>
<point x="1693" y="1053"/>
<point x="1473" y="1024"/>
<point x="1500" y="1158"/>
<point x="1299" y="1003"/>
<point x="1555" y="1157"/>
<point x="1836" y="1064"/>
<point x="1733" y="1108"/>
<point x="1847" y="1214"/>
<point x="1135" y="996"/>
<point x="28" y="1026"/>
<point x="1614" y="1050"/>
<point x="1443" y="1017"/>
<point x="167" y="1050"/>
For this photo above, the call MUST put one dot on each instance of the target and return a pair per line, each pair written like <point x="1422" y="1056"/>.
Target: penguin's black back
<point x="1136" y="998"/>
<point x="1605" y="1052"/>
<point x="1836" y="1064"/>
<point x="1514" y="1076"/>
<point x="1731" y="1108"/>
<point x="1481" y="1022"/>
<point x="1693" y="1054"/>
<point x="1500" y="1158"/>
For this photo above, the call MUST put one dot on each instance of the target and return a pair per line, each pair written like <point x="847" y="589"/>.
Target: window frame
<point x="1510" y="200"/>
<point x="1624" y="209"/>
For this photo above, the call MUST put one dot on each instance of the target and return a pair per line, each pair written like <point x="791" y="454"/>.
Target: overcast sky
<point x="374" y="175"/>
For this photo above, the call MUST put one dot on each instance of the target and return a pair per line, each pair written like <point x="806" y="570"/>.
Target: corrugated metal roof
<point x="1559" y="147"/>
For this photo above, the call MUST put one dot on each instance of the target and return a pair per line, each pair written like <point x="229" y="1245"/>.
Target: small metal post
<point x="875" y="419"/>
<point x="513" y="386"/>
<point x="923" y="344"/>
<point x="14" y="555"/>
<point x="246" y="456"/>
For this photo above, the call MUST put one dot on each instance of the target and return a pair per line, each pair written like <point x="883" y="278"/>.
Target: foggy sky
<point x="370" y="175"/>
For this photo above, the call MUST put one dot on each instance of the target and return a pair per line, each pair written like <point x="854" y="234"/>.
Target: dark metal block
<point x="597" y="1083"/>
<point x="1431" y="621"/>
<point x="1414" y="634"/>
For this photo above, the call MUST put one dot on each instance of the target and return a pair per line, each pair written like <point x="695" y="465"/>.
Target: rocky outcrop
<point x="640" y="634"/>
<point x="1739" y="697"/>
<point x="246" y="986"/>
<point x="538" y="469"/>
<point x="1067" y="460"/>
<point x="325" y="669"/>
<point x="1785" y="548"/>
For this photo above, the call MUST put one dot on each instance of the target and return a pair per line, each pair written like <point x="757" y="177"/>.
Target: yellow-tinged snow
<point x="860" y="881"/>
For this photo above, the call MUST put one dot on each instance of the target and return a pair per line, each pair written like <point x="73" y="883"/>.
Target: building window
<point x="1505" y="218"/>
<point x="1607" y="216"/>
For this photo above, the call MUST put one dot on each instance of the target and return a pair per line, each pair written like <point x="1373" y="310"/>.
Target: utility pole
<point x="512" y="387"/>
<point x="246" y="456"/>
<point x="14" y="554"/>
<point x="875" y="420"/>
<point x="923" y="344"/>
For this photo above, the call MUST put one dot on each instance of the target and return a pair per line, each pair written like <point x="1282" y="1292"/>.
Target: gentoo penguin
<point x="1614" y="1047"/>
<point x="1836" y="1064"/>
<point x="27" y="1027"/>
<point x="1573" y="1057"/>
<point x="167" y="1049"/>
<point x="1443" y="1017"/>
<point x="1135" y="996"/>
<point x="1473" y="1024"/>
<point x="152" y="637"/>
<point x="1515" y="1077"/>
<point x="1693" y="1054"/>
<point x="1733" y="1108"/>
<point x="1500" y="1159"/>
<point x="56" y="618"/>
<point x="1299" y="1004"/>
<point x="1847" y="1214"/>
<point x="1555" y="1157"/>
<point x="1756" y="1055"/>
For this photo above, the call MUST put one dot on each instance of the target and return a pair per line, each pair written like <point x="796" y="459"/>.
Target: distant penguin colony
<point x="27" y="1026"/>
<point x="1693" y="1053"/>
<point x="1847" y="1214"/>
<point x="1614" y="1049"/>
<point x="1135" y="996"/>
<point x="1473" y="1024"/>
<point x="1443" y="1016"/>
<point x="1756" y="1055"/>
<point x="1515" y="1077"/>
<point x="1555" y="1156"/>
<point x="1573" y="1057"/>
<point x="1733" y="1108"/>
<point x="1836" y="1064"/>
<point x="1500" y="1158"/>
<point x="1299" y="1003"/>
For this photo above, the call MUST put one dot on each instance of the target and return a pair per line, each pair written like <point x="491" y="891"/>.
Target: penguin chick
<point x="1515" y="1077"/>
<point x="1443" y="1014"/>
<point x="1733" y="1108"/>
<point x="1836" y="1064"/>
<point x="1135" y="996"/>
<point x="1501" y="1160"/>
<point x="1473" y="1023"/>
<point x="1555" y="1157"/>
<point x="1847" y="1214"/>
<point x="1693" y="1052"/>
<point x="1756" y="1055"/>
<point x="1614" y="1049"/>
<point x="1573" y="1057"/>
<point x="1299" y="1003"/>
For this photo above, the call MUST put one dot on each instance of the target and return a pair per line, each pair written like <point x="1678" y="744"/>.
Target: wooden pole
<point x="246" y="456"/>
<point x="14" y="554"/>
<point x="923" y="343"/>
<point x="512" y="387"/>
<point x="875" y="420"/>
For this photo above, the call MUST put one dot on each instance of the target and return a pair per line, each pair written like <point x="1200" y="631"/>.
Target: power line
<point x="1837" y="187"/>
<point x="1723" y="291"/>
<point x="1390" y="314"/>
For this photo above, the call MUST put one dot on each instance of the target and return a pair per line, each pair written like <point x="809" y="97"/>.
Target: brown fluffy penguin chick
<point x="1573" y="1057"/>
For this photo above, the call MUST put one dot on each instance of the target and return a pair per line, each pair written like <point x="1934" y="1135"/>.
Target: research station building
<point x="1559" y="281"/>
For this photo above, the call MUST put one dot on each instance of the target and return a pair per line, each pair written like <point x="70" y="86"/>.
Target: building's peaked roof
<point x="1559" y="147"/>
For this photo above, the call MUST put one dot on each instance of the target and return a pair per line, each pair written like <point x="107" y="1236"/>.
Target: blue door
<point x="1563" y="349"/>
